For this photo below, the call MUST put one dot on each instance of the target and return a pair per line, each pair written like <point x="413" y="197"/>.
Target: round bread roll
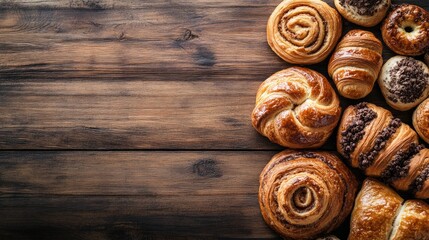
<point x="404" y="82"/>
<point x="406" y="30"/>
<point x="303" y="31"/>
<point x="303" y="195"/>
<point x="367" y="13"/>
<point x="421" y="120"/>
<point x="296" y="108"/>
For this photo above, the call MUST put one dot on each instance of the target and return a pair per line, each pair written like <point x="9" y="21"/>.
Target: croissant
<point x="381" y="145"/>
<point x="303" y="31"/>
<point x="380" y="213"/>
<point x="356" y="63"/>
<point x="296" y="108"/>
<point x="303" y="195"/>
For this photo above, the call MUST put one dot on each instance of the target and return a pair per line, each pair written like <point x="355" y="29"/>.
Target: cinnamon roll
<point x="296" y="108"/>
<point x="367" y="13"/>
<point x="303" y="31"/>
<point x="404" y="82"/>
<point x="406" y="30"/>
<point x="303" y="195"/>
<point x="371" y="139"/>
<point x="421" y="120"/>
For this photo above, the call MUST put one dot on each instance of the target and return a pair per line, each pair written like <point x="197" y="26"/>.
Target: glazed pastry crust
<point x="412" y="222"/>
<point x="303" y="31"/>
<point x="387" y="148"/>
<point x="296" y="108"/>
<point x="351" y="13"/>
<point x="421" y="120"/>
<point x="356" y="63"/>
<point x="374" y="212"/>
<point x="303" y="195"/>
<point x="394" y="30"/>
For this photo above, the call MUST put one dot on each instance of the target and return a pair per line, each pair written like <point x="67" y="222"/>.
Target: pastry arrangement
<point x="306" y="194"/>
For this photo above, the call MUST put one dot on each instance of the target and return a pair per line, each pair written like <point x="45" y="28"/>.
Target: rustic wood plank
<point x="87" y="195"/>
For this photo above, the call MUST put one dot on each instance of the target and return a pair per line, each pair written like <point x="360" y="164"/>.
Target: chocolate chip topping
<point x="366" y="159"/>
<point x="408" y="81"/>
<point x="364" y="7"/>
<point x="355" y="131"/>
<point x="417" y="184"/>
<point x="400" y="164"/>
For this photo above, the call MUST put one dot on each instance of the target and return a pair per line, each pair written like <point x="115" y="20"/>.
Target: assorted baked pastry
<point x="371" y="139"/>
<point x="296" y="108"/>
<point x="380" y="213"/>
<point x="305" y="194"/>
<point x="356" y="63"/>
<point x="303" y="31"/>
<point x="404" y="82"/>
<point x="421" y="120"/>
<point x="367" y="13"/>
<point x="406" y="30"/>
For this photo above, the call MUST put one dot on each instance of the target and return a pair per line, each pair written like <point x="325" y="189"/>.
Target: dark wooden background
<point x="131" y="119"/>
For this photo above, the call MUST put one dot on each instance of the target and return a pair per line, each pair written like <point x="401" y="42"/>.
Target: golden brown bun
<point x="371" y="139"/>
<point x="363" y="15"/>
<point x="356" y="63"/>
<point x="303" y="195"/>
<point x="404" y="82"/>
<point x="421" y="120"/>
<point x="379" y="214"/>
<point x="296" y="108"/>
<point x="406" y="30"/>
<point x="303" y="31"/>
<point x="374" y="212"/>
<point x="412" y="222"/>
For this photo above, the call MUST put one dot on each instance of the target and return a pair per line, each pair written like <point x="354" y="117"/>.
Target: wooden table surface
<point x="131" y="119"/>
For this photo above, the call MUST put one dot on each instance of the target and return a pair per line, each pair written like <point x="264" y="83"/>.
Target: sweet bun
<point x="404" y="82"/>
<point x="367" y="13"/>
<point x="356" y="63"/>
<point x="421" y="120"/>
<point x="296" y="108"/>
<point x="303" y="31"/>
<point x="406" y="30"/>
<point x="303" y="195"/>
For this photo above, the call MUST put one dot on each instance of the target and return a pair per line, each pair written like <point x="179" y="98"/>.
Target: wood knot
<point x="207" y="168"/>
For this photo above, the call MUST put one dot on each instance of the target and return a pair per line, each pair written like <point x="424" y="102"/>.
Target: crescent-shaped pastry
<point x="303" y="31"/>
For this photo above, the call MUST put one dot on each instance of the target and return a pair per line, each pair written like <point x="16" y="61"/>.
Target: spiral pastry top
<point x="384" y="147"/>
<point x="303" y="195"/>
<point x="303" y="31"/>
<point x="406" y="30"/>
<point x="296" y="108"/>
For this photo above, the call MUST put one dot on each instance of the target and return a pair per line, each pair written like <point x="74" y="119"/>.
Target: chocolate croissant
<point x="303" y="31"/>
<point x="371" y="139"/>
<point x="303" y="195"/>
<point x="356" y="63"/>
<point x="296" y="108"/>
<point x="380" y="213"/>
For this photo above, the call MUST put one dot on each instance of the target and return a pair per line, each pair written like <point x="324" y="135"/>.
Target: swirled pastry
<point x="305" y="194"/>
<point x="380" y="213"/>
<point x="371" y="139"/>
<point x="367" y="13"/>
<point x="356" y="63"/>
<point x="303" y="31"/>
<point x="421" y="120"/>
<point x="404" y="82"/>
<point x="406" y="30"/>
<point x="296" y="108"/>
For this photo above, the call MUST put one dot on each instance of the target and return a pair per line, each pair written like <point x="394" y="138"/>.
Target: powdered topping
<point x="364" y="7"/>
<point x="408" y="81"/>
<point x="355" y="131"/>
<point x="366" y="159"/>
<point x="400" y="164"/>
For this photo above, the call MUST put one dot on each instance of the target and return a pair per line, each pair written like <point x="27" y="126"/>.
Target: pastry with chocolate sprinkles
<point x="371" y="139"/>
<point x="404" y="82"/>
<point x="367" y="13"/>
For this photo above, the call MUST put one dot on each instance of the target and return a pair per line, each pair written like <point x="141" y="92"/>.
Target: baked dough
<point x="367" y="13"/>
<point x="421" y="120"/>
